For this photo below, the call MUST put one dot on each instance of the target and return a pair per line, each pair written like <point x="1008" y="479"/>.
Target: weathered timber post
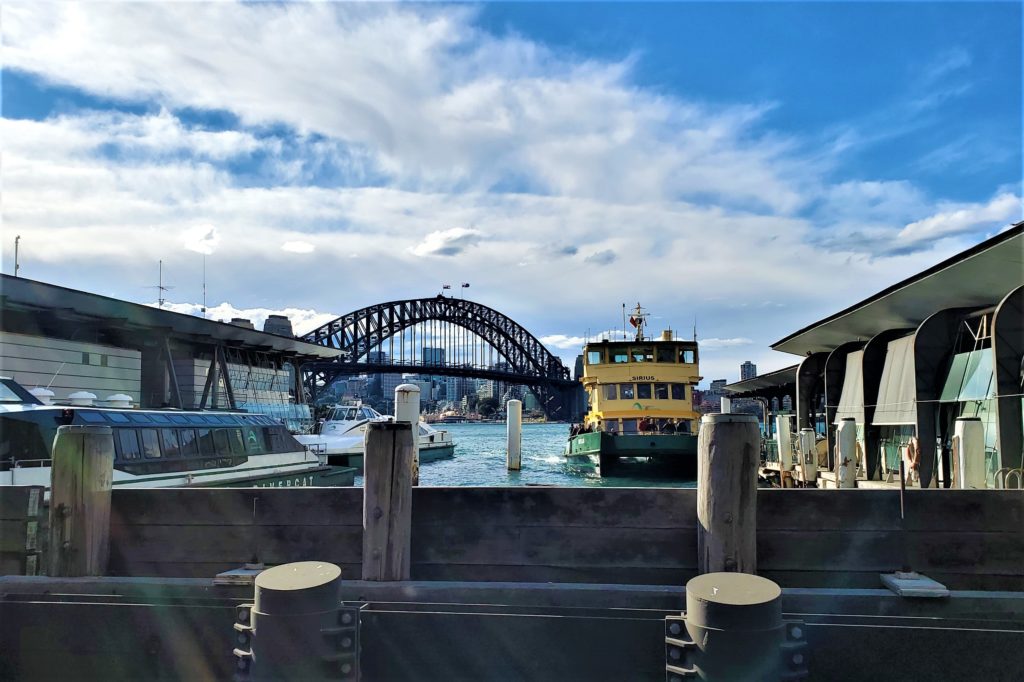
<point x="727" y="460"/>
<point x="407" y="409"/>
<point x="387" y="501"/>
<point x="514" y="435"/>
<point x="81" y="479"/>
<point x="846" y="455"/>
<point x="296" y="628"/>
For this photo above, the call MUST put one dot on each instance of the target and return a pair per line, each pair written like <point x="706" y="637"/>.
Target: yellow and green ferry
<point x="640" y="401"/>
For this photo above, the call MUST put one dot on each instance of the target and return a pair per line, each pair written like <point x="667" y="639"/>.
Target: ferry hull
<point x="426" y="455"/>
<point x="323" y="477"/>
<point x="677" y="452"/>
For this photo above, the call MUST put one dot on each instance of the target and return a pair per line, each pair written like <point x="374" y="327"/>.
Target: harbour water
<point x="480" y="461"/>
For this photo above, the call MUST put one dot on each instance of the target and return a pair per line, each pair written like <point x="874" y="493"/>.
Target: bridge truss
<point x="442" y="336"/>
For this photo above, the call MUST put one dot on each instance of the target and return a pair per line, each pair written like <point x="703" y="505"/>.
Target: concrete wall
<point x="648" y="536"/>
<point x="70" y="366"/>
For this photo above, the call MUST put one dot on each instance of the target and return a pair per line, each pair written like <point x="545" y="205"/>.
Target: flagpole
<point x="624" y="337"/>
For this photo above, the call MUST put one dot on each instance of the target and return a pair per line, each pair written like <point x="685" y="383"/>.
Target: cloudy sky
<point x="751" y="166"/>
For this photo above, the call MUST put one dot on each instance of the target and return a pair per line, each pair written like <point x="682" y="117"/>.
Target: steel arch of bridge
<point x="360" y="332"/>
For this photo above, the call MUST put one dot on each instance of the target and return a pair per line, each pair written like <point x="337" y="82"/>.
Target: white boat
<point x="161" y="448"/>
<point x="341" y="436"/>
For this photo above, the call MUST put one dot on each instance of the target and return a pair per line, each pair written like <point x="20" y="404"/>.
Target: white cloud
<point x="202" y="239"/>
<point x="563" y="342"/>
<point x="957" y="219"/>
<point x="448" y="242"/>
<point x="713" y="344"/>
<point x="303" y="320"/>
<point x="298" y="247"/>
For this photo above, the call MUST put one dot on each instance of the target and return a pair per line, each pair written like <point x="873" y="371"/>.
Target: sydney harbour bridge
<point x="442" y="336"/>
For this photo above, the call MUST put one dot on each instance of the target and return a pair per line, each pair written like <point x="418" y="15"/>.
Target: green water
<point x="480" y="460"/>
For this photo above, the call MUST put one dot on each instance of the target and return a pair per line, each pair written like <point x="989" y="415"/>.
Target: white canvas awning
<point x="851" y="402"/>
<point x="897" y="392"/>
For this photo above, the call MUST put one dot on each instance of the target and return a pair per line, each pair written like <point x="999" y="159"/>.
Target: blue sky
<point x="754" y="165"/>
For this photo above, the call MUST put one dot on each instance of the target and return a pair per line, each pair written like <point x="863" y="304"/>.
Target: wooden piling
<point x="387" y="501"/>
<point x="81" y="479"/>
<point x="727" y="461"/>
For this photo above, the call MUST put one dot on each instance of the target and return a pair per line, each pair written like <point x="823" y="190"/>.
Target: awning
<point x="970" y="377"/>
<point x="897" y="392"/>
<point x="851" y="402"/>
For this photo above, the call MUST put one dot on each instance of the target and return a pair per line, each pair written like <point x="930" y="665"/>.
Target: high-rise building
<point x="433" y="356"/>
<point x="748" y="370"/>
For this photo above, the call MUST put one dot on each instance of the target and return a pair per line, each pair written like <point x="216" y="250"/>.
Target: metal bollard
<point x="733" y="630"/>
<point x="297" y="627"/>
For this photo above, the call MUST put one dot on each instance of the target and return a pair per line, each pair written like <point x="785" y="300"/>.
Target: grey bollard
<point x="728" y="454"/>
<point x="297" y="628"/>
<point x="733" y="631"/>
<point x="80" y="483"/>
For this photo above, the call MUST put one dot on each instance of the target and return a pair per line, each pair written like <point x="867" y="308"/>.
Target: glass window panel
<point x="629" y="426"/>
<point x="955" y="378"/>
<point x="254" y="443"/>
<point x="611" y="392"/>
<point x="666" y="354"/>
<point x="160" y="419"/>
<point x="205" y="442"/>
<point x="179" y="419"/>
<point x="220" y="442"/>
<point x="595" y="357"/>
<point x="235" y="439"/>
<point x="977" y="376"/>
<point x="626" y="391"/>
<point x="643" y="391"/>
<point x="169" y="442"/>
<point x="611" y="425"/>
<point x="642" y="354"/>
<point x="678" y="391"/>
<point x="128" y="439"/>
<point x="117" y="417"/>
<point x="139" y="418"/>
<point x="189" y="446"/>
<point x="195" y="419"/>
<point x="92" y="417"/>
<point x="687" y="355"/>
<point x="150" y="443"/>
<point x="661" y="391"/>
<point x="620" y="355"/>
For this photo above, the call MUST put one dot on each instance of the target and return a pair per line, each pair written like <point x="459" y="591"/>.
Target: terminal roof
<point x="72" y="306"/>
<point x="979" y="276"/>
<point x="780" y="378"/>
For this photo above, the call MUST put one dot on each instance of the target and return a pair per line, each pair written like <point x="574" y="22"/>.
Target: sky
<point x="746" y="167"/>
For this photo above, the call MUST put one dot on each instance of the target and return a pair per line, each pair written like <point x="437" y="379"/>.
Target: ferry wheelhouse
<point x="162" y="448"/>
<point x="640" y="397"/>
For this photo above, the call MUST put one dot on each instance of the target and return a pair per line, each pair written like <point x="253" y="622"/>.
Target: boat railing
<point x="1004" y="476"/>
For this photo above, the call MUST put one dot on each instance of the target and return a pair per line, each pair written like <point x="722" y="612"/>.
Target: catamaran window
<point x="150" y="443"/>
<point x="179" y="419"/>
<point x="189" y="446"/>
<point x="687" y="355"/>
<point x="128" y="439"/>
<point x="195" y="419"/>
<point x="169" y="442"/>
<point x="117" y="417"/>
<point x="620" y="355"/>
<point x="643" y="391"/>
<point x="253" y="440"/>
<point x="678" y="391"/>
<point x="350" y="414"/>
<point x="211" y="419"/>
<point x="160" y="418"/>
<point x="220" y="441"/>
<point x="7" y="395"/>
<point x="610" y="392"/>
<point x="661" y="391"/>
<point x="205" y="442"/>
<point x="642" y="354"/>
<point x="626" y="391"/>
<point x="235" y="439"/>
<point x="595" y="357"/>
<point x="629" y="426"/>
<point x="666" y="354"/>
<point x="92" y="417"/>
<point x="139" y="418"/>
<point x="367" y="413"/>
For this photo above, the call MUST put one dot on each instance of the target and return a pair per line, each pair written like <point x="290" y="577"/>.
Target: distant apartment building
<point x="432" y="356"/>
<point x="748" y="370"/>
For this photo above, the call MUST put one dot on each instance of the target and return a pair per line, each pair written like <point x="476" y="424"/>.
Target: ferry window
<point x="150" y="442"/>
<point x="620" y="355"/>
<point x="626" y="391"/>
<point x="611" y="425"/>
<point x="117" y="417"/>
<point x="205" y="442"/>
<point x="179" y="419"/>
<point x="666" y="354"/>
<point x="642" y="354"/>
<point x="661" y="391"/>
<point x="629" y="426"/>
<point x="169" y="442"/>
<point x="159" y="418"/>
<point x="253" y="440"/>
<point x="235" y="439"/>
<point x="139" y="418"/>
<point x="220" y="441"/>
<point x="643" y="391"/>
<point x="129" y="442"/>
<point x="92" y="417"/>
<point x="687" y="355"/>
<point x="678" y="391"/>
<point x="595" y="357"/>
<point x="611" y="392"/>
<point x="189" y="447"/>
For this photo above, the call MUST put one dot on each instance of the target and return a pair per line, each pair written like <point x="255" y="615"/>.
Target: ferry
<point x="640" y="397"/>
<point x="341" y="436"/>
<point x="161" y="448"/>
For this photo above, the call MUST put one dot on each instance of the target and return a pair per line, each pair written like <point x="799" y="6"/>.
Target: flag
<point x="465" y="284"/>
<point x="633" y="321"/>
<point x="446" y="286"/>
